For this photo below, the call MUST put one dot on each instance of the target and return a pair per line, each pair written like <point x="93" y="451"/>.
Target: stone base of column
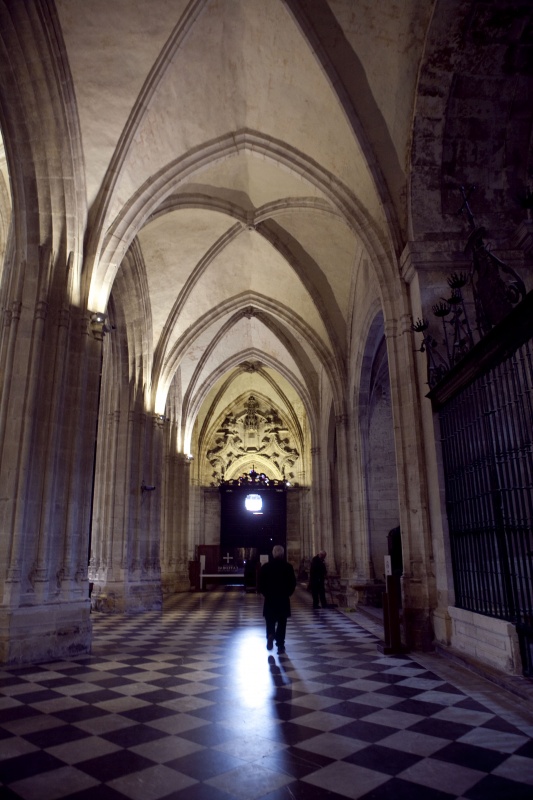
<point x="442" y="626"/>
<point x="50" y="632"/>
<point x="418" y="631"/>
<point x="119" y="598"/>
<point x="173" y="583"/>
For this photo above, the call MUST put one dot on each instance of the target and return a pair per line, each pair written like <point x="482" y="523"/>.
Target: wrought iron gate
<point x="481" y="379"/>
<point x="487" y="445"/>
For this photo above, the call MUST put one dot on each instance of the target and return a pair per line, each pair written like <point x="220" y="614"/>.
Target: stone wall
<point x="485" y="639"/>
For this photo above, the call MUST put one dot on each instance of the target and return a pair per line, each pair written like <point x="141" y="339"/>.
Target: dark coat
<point x="317" y="573"/>
<point x="277" y="582"/>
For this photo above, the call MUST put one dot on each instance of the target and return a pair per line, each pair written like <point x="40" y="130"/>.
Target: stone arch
<point x="233" y="367"/>
<point x="42" y="138"/>
<point x="283" y="320"/>
<point x="350" y="83"/>
<point x="155" y="191"/>
<point x="304" y="266"/>
<point x="272" y="454"/>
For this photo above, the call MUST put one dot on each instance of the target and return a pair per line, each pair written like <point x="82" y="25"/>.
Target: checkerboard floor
<point x="189" y="705"/>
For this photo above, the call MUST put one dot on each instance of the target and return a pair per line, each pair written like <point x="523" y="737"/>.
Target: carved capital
<point x="97" y="326"/>
<point x="63" y="318"/>
<point x="41" y="308"/>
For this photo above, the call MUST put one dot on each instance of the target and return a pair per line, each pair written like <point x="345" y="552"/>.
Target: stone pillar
<point x="320" y="536"/>
<point x="175" y="535"/>
<point x="169" y="513"/>
<point x="125" y="567"/>
<point x="344" y="536"/>
<point x="362" y="572"/>
<point x="48" y="411"/>
<point x="427" y="588"/>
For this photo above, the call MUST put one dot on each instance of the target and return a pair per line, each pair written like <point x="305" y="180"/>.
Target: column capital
<point x="97" y="325"/>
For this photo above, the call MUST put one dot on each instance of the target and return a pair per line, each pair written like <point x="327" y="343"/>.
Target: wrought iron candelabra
<point x="494" y="289"/>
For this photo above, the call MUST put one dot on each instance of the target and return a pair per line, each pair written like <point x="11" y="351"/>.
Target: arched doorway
<point x="253" y="518"/>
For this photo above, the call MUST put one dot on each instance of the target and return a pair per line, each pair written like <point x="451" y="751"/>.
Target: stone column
<point x="125" y="566"/>
<point x="344" y="549"/>
<point x="320" y="531"/>
<point x="175" y="534"/>
<point x="48" y="414"/>
<point x="169" y="512"/>
<point x="426" y="573"/>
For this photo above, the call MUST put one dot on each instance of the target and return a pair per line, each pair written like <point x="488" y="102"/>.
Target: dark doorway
<point x="246" y="533"/>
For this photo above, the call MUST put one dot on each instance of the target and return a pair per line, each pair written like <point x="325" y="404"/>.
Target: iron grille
<point x="487" y="432"/>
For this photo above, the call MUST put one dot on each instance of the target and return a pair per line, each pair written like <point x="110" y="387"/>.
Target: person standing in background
<point x="277" y="583"/>
<point x="317" y="580"/>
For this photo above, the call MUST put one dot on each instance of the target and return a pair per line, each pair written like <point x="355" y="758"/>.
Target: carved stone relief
<point x="252" y="431"/>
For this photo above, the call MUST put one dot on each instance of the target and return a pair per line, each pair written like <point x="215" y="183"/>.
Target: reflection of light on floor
<point x="252" y="670"/>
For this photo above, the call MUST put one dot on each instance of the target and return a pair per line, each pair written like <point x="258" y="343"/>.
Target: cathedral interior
<point x="266" y="278"/>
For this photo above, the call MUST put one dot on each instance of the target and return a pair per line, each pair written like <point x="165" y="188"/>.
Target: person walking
<point x="317" y="580"/>
<point x="277" y="583"/>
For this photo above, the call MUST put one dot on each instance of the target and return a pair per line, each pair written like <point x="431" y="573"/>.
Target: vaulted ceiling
<point x="252" y="160"/>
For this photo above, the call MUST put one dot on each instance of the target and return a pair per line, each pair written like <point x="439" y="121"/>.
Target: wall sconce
<point x="98" y="326"/>
<point x="146" y="488"/>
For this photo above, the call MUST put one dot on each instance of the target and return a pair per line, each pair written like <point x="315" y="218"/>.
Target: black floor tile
<point x="398" y="789"/>
<point x="291" y="733"/>
<point x="441" y="727"/>
<point x="14" y="769"/>
<point x="466" y="755"/>
<point x="205" y="764"/>
<point x="133" y="735"/>
<point x="208" y="735"/>
<point x="383" y="759"/>
<point x="302" y="791"/>
<point x="100" y="792"/>
<point x="114" y="765"/>
<point x="54" y="736"/>
<point x="365" y="731"/>
<point x="492" y="787"/>
<point x="420" y="707"/>
<point x="199" y="791"/>
<point x="352" y="709"/>
<point x="295" y="762"/>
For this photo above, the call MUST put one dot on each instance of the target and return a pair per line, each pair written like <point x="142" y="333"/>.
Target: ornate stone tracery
<point x="251" y="432"/>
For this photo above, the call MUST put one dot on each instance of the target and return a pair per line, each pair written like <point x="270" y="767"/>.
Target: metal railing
<point x="487" y="446"/>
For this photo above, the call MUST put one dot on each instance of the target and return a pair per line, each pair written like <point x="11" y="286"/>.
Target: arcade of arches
<point x="218" y="222"/>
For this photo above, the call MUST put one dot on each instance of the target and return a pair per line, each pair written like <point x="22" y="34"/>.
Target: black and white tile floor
<point x="189" y="705"/>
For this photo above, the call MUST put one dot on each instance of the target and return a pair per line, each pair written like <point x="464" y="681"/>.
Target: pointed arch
<point x="148" y="198"/>
<point x="281" y="319"/>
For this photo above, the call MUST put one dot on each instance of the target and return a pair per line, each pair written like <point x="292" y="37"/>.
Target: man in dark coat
<point x="277" y="583"/>
<point x="317" y="580"/>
